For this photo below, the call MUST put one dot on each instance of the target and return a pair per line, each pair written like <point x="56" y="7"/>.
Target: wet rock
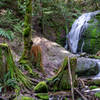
<point x="87" y="66"/>
<point x="54" y="54"/>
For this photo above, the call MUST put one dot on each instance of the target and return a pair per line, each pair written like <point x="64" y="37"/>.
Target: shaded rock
<point x="87" y="66"/>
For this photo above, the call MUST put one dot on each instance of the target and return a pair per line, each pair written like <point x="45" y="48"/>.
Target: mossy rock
<point x="41" y="87"/>
<point x="97" y="94"/>
<point x="91" y="39"/>
<point x="43" y="96"/>
<point x="24" y="98"/>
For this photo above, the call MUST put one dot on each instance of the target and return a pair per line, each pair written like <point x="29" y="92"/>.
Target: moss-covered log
<point x="26" y="56"/>
<point x="7" y="64"/>
<point x="61" y="81"/>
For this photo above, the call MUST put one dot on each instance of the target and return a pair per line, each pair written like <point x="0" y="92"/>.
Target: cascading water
<point x="98" y="75"/>
<point x="77" y="30"/>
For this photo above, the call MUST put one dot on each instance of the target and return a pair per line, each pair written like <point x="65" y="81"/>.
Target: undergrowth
<point x="8" y="83"/>
<point x="10" y="24"/>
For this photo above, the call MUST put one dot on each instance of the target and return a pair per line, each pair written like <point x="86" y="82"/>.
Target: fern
<point x="6" y="33"/>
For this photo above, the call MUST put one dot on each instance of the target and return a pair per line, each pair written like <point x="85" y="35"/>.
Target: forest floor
<point x="53" y="55"/>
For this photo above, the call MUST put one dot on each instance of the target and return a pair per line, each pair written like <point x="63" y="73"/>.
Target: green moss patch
<point x="43" y="96"/>
<point x="24" y="98"/>
<point x="41" y="87"/>
<point x="94" y="56"/>
<point x="93" y="87"/>
<point x="97" y="95"/>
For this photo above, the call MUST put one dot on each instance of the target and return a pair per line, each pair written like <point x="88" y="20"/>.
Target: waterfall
<point x="77" y="30"/>
<point x="98" y="75"/>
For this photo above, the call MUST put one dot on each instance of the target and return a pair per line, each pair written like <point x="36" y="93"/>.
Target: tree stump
<point x="7" y="64"/>
<point x="61" y="81"/>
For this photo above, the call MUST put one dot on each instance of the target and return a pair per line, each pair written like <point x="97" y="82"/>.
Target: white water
<point x="77" y="30"/>
<point x="98" y="75"/>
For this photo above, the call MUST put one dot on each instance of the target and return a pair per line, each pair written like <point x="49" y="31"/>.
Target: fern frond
<point x="7" y="34"/>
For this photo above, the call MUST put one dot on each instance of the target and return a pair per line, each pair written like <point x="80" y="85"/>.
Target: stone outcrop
<point x="54" y="54"/>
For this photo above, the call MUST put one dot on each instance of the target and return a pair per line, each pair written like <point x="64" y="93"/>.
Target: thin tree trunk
<point x="26" y="56"/>
<point x="71" y="81"/>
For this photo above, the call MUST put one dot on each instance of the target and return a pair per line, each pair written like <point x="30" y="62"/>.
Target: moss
<point x="24" y="98"/>
<point x="97" y="94"/>
<point x="61" y="80"/>
<point x="97" y="82"/>
<point x="27" y="30"/>
<point x="41" y="87"/>
<point x="27" y="66"/>
<point x="43" y="96"/>
<point x="94" y="56"/>
<point x="92" y="39"/>
<point x="94" y="82"/>
<point x="66" y="98"/>
<point x="93" y="87"/>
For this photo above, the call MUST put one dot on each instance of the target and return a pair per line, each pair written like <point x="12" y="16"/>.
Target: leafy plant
<point x="22" y="6"/>
<point x="10" y="24"/>
<point x="8" y="82"/>
<point x="6" y="33"/>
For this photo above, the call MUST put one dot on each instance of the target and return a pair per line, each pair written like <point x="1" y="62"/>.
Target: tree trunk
<point x="26" y="56"/>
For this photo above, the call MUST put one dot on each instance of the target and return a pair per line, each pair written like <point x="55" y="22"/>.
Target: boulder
<point x="52" y="54"/>
<point x="87" y="66"/>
